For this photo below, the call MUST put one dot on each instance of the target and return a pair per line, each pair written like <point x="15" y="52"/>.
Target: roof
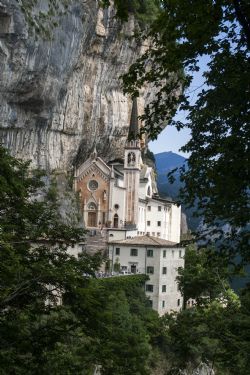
<point x="145" y="241"/>
<point x="163" y="200"/>
<point x="134" y="125"/>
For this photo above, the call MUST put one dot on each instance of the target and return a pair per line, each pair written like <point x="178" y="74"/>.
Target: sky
<point x="170" y="139"/>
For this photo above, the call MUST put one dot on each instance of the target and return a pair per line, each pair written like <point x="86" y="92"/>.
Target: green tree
<point x="216" y="176"/>
<point x="117" y="265"/>
<point x="204" y="277"/>
<point x="53" y="319"/>
<point x="211" y="330"/>
<point x="144" y="11"/>
<point x="214" y="333"/>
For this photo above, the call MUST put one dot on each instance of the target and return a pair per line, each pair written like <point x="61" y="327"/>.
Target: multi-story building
<point x="157" y="258"/>
<point x="121" y="198"/>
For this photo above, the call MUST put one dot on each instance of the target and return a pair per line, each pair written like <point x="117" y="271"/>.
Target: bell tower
<point x="132" y="160"/>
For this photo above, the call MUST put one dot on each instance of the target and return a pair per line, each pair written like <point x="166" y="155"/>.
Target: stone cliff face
<point x="59" y="97"/>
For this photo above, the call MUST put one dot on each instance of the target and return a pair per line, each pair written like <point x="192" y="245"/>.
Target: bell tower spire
<point x="132" y="159"/>
<point x="134" y="125"/>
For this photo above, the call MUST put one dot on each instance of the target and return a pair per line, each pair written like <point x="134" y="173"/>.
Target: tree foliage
<point x="144" y="11"/>
<point x="53" y="319"/>
<point x="205" y="276"/>
<point x="216" y="176"/>
<point x="216" y="334"/>
<point x="215" y="330"/>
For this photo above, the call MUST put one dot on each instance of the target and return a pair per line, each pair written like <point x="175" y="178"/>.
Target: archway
<point x="116" y="221"/>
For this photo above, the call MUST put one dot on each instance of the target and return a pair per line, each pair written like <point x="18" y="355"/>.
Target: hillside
<point x="165" y="162"/>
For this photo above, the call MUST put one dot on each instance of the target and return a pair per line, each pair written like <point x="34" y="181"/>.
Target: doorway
<point x="92" y="219"/>
<point x="133" y="268"/>
<point x="116" y="221"/>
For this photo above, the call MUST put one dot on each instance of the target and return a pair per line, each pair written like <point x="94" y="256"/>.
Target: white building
<point x="122" y="194"/>
<point x="121" y="198"/>
<point x="157" y="258"/>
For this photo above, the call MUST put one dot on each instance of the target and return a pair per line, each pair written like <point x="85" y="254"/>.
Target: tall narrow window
<point x="131" y="159"/>
<point x="116" y="220"/>
<point x="150" y="253"/>
<point x="117" y="251"/>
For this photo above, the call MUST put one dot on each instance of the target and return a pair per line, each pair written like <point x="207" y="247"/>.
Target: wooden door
<point x="92" y="219"/>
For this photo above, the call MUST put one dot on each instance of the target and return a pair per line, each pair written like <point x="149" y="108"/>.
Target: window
<point x="180" y="254"/>
<point x="158" y="234"/>
<point x="148" y="233"/>
<point x="163" y="304"/>
<point x="116" y="206"/>
<point x="149" y="288"/>
<point x="153" y="234"/>
<point x="149" y="208"/>
<point x="150" y="253"/>
<point x="149" y="191"/>
<point x="134" y="252"/>
<point x="164" y="270"/>
<point x="148" y="223"/>
<point x="172" y="253"/>
<point x="178" y="302"/>
<point x="164" y="253"/>
<point x="117" y="251"/>
<point x="93" y="185"/>
<point x="150" y="302"/>
<point x="131" y="158"/>
<point x="150" y="270"/>
<point x="92" y="206"/>
<point x="159" y="208"/>
<point x="158" y="223"/>
<point x="164" y="289"/>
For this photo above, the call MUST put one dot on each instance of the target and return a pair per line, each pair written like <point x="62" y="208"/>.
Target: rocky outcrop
<point x="59" y="97"/>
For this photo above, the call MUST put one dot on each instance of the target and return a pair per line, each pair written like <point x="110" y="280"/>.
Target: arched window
<point x="131" y="158"/>
<point x="92" y="206"/>
<point x="116" y="220"/>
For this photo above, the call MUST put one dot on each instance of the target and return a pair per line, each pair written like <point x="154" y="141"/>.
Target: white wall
<point x="117" y="196"/>
<point x="175" y="223"/>
<point x="172" y="261"/>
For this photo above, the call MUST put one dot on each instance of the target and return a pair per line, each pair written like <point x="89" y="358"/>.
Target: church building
<point x="120" y="198"/>
<point x="122" y="195"/>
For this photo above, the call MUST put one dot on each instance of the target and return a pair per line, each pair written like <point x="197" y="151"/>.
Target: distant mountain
<point x="165" y="162"/>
